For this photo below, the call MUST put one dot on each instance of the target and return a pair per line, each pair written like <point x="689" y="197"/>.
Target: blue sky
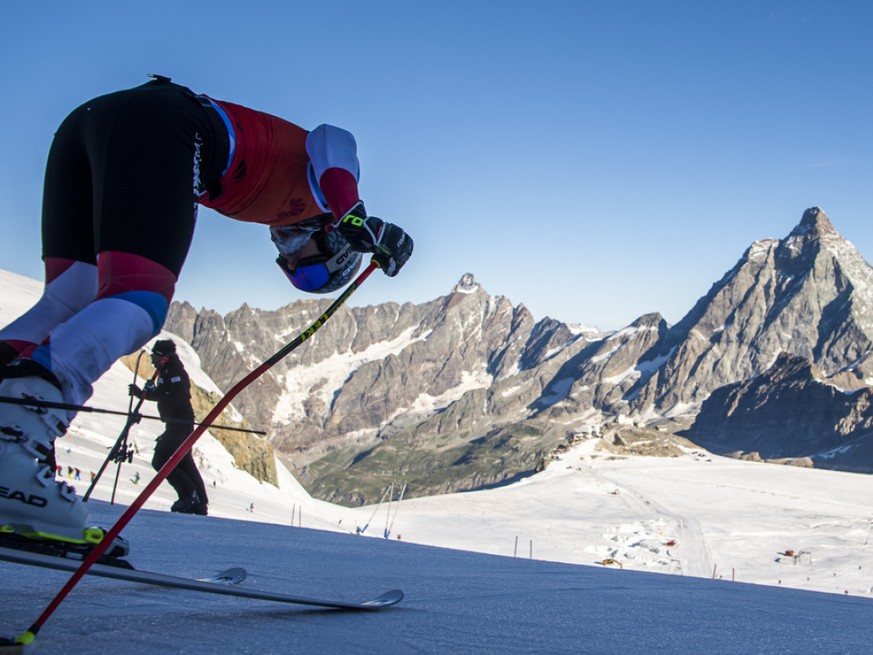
<point x="593" y="160"/>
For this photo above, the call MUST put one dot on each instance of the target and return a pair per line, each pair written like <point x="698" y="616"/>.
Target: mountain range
<point x="469" y="391"/>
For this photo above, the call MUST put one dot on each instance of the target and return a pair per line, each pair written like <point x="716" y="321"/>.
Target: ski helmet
<point x="163" y="347"/>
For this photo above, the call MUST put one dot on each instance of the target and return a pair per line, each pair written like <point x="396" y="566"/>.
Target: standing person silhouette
<point x="172" y="392"/>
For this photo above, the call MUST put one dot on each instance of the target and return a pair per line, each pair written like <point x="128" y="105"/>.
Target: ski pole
<point x="133" y="417"/>
<point x="123" y="450"/>
<point x="99" y="410"/>
<point x="29" y="635"/>
<point x="135" y="376"/>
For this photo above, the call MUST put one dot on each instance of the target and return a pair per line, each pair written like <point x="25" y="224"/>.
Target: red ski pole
<point x="29" y="635"/>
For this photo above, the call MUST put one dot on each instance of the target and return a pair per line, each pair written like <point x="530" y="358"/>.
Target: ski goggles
<point x="307" y="275"/>
<point x="319" y="274"/>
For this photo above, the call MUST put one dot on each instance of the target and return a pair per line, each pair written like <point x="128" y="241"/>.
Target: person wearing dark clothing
<point x="172" y="392"/>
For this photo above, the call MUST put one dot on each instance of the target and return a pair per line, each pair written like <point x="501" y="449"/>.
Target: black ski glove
<point x="390" y="245"/>
<point x="134" y="390"/>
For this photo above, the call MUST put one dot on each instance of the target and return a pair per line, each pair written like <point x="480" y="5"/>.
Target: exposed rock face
<point x="252" y="454"/>
<point x="468" y="390"/>
<point x="790" y="412"/>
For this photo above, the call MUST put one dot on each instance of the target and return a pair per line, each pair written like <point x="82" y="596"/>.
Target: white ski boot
<point x="32" y="503"/>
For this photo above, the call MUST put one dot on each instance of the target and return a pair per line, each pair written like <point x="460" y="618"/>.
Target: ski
<point x="221" y="583"/>
<point x="230" y="576"/>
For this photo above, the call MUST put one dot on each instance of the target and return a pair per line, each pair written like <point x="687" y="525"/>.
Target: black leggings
<point x="124" y="173"/>
<point x="185" y="478"/>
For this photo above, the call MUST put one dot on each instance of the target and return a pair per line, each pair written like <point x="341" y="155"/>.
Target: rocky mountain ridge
<point x="468" y="391"/>
<point x="831" y="420"/>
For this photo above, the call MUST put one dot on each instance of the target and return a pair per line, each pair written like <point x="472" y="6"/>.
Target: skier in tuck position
<point x="172" y="392"/>
<point x="125" y="174"/>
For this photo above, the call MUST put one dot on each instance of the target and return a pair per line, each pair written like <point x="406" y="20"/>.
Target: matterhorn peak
<point x="467" y="284"/>
<point x="815" y="222"/>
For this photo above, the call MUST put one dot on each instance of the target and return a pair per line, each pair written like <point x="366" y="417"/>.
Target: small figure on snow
<point x="172" y="392"/>
<point x="125" y="175"/>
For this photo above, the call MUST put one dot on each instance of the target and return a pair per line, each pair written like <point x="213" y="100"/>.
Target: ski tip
<point x="231" y="576"/>
<point x="235" y="575"/>
<point x="387" y="599"/>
